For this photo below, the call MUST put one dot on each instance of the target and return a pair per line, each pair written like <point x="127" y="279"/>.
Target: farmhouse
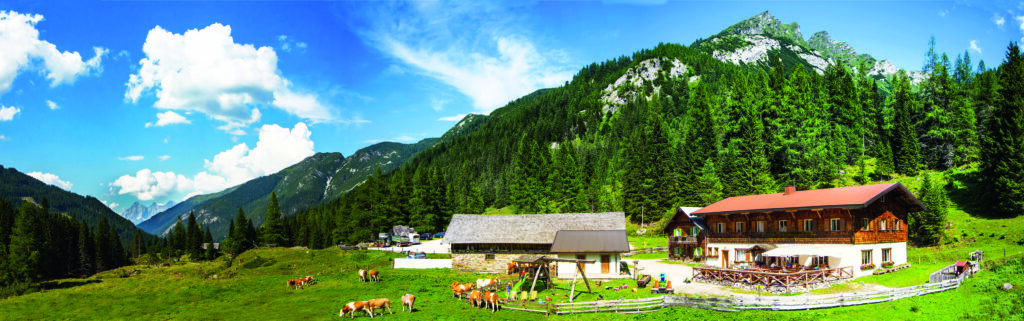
<point x="687" y="237"/>
<point x="847" y="230"/>
<point x="490" y="242"/>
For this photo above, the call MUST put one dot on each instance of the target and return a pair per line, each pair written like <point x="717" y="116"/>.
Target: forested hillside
<point x="676" y="126"/>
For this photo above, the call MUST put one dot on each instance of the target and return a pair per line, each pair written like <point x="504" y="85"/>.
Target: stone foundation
<point x="478" y="262"/>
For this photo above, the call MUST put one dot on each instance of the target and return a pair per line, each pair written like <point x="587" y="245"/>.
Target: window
<point x="741" y="255"/>
<point x="881" y="225"/>
<point x="739" y="227"/>
<point x="886" y="255"/>
<point x="865" y="257"/>
<point x="782" y="226"/>
<point x="836" y="224"/>
<point x="865" y="224"/>
<point x="896" y="225"/>
<point x="488" y="256"/>
<point x="759" y="225"/>
<point x="694" y="231"/>
<point x="808" y="225"/>
<point x="719" y="227"/>
<point x="677" y="232"/>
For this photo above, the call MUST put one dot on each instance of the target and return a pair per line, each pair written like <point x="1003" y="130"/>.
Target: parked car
<point x="426" y="237"/>
<point x="439" y="235"/>
<point x="419" y="255"/>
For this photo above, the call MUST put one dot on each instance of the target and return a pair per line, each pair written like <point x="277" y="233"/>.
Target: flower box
<point x="887" y="265"/>
<point x="867" y="266"/>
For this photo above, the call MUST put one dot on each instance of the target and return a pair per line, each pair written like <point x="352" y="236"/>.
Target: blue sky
<point x="155" y="101"/>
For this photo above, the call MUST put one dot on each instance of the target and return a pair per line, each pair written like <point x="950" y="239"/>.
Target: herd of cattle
<point x="486" y="299"/>
<point x="478" y="299"/>
<point x="370" y="305"/>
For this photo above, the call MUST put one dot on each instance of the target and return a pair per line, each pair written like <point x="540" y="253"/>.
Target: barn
<point x="490" y="242"/>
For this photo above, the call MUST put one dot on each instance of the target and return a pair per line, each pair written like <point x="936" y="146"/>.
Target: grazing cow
<point x="455" y="288"/>
<point x="377" y="304"/>
<point x="352" y="307"/>
<point x="308" y="279"/>
<point x="408" y="300"/>
<point x="362" y="275"/>
<point x="482" y="283"/>
<point x="491" y="300"/>
<point x="511" y="269"/>
<point x="291" y="283"/>
<point x="374" y="275"/>
<point x="475" y="298"/>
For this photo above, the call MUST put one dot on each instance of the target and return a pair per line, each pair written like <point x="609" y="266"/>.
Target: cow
<point x="308" y="279"/>
<point x="482" y="283"/>
<point x="296" y="283"/>
<point x="408" y="300"/>
<point x="491" y="300"/>
<point x="455" y="288"/>
<point x="374" y="275"/>
<point x="362" y="275"/>
<point x="377" y="304"/>
<point x="291" y="283"/>
<point x="511" y="269"/>
<point x="352" y="307"/>
<point x="476" y="298"/>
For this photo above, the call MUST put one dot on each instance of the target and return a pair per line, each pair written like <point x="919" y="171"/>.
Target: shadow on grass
<point x="23" y="288"/>
<point x="65" y="284"/>
<point x="967" y="190"/>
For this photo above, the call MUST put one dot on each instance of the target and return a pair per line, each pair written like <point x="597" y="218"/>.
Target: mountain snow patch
<point x="648" y="70"/>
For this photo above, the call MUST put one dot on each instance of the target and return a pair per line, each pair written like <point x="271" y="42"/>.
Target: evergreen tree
<point x="1002" y="158"/>
<point x="104" y="252"/>
<point x="699" y="143"/>
<point x="178" y="238"/>
<point x="138" y="244"/>
<point x="194" y="237"/>
<point x="710" y="186"/>
<point x="86" y="250"/>
<point x="25" y="252"/>
<point x="905" y="152"/>
<point x="928" y="227"/>
<point x="272" y="230"/>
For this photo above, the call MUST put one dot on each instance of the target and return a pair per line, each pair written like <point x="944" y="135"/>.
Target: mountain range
<point x="137" y="213"/>
<point x="314" y="180"/>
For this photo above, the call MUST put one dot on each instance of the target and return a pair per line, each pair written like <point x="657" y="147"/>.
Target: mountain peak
<point x="765" y="24"/>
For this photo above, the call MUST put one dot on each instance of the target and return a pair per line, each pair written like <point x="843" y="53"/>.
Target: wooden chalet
<point x="687" y="237"/>
<point x="819" y="234"/>
<point x="490" y="242"/>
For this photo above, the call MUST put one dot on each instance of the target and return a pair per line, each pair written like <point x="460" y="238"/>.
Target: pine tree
<point x="194" y="238"/>
<point x="25" y="251"/>
<point x="272" y="230"/>
<point x="710" y="186"/>
<point x="138" y="244"/>
<point x="1002" y="158"/>
<point x="699" y="143"/>
<point x="927" y="227"/>
<point x="86" y="250"/>
<point x="905" y="151"/>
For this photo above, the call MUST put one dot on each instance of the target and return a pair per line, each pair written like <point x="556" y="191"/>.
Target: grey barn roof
<point x="569" y="241"/>
<point x="526" y="228"/>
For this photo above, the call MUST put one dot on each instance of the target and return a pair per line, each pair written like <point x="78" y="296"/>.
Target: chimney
<point x="790" y="189"/>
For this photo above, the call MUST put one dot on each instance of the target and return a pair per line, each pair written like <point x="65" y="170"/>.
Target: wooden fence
<point x="771" y="278"/>
<point x="839" y="300"/>
<point x="646" y="250"/>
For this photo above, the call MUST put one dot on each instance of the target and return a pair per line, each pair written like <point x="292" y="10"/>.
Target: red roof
<point x="841" y="197"/>
<point x="961" y="263"/>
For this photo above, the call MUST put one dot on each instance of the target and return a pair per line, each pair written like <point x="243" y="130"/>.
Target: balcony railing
<point x="682" y="239"/>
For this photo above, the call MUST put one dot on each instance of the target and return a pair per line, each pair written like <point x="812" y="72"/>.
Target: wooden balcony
<point x="682" y="239"/>
<point x="770" y="278"/>
<point x="816" y="237"/>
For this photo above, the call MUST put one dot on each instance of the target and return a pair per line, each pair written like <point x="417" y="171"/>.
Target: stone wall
<point x="478" y="262"/>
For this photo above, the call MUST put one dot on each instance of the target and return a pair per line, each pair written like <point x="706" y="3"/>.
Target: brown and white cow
<point x="455" y="288"/>
<point x="374" y="275"/>
<point x="491" y="300"/>
<point x="476" y="298"/>
<point x="362" y="275"/>
<point x="408" y="300"/>
<point x="308" y="280"/>
<point x="482" y="283"/>
<point x="377" y="304"/>
<point x="352" y="307"/>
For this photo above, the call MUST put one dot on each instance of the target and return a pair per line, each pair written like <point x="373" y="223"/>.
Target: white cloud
<point x="22" y="50"/>
<point x="438" y="104"/>
<point x="111" y="205"/>
<point x="289" y="44"/>
<point x="453" y="118"/>
<point x="164" y="157"/>
<point x="399" y="139"/>
<point x="133" y="158"/>
<point x="492" y="66"/>
<point x="354" y="120"/>
<point x="51" y="179"/>
<point x="276" y="149"/>
<point x="168" y="118"/>
<point x="999" y="20"/>
<point x="147" y="185"/>
<point x="204" y="70"/>
<point x="52" y="105"/>
<point x="1021" y="19"/>
<point x="7" y="113"/>
<point x="943" y="13"/>
<point x="2" y="137"/>
<point x="974" y="46"/>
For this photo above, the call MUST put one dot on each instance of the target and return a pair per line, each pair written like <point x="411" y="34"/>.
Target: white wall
<point x="423" y="263"/>
<point x="566" y="269"/>
<point x="842" y="255"/>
